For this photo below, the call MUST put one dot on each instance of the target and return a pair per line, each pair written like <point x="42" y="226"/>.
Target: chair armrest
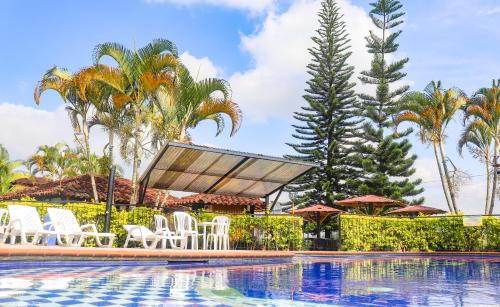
<point x="49" y="224"/>
<point x="91" y="226"/>
<point x="131" y="230"/>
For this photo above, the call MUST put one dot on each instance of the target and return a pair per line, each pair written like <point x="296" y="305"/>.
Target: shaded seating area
<point x="318" y="214"/>
<point x="219" y="203"/>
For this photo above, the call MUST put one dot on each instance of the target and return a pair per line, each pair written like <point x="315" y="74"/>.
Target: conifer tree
<point x="326" y="124"/>
<point x="384" y="157"/>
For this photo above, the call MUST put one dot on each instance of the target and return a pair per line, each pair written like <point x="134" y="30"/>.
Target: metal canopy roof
<point x="201" y="169"/>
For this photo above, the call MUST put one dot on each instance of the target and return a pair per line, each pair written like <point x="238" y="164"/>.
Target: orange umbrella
<point x="370" y="201"/>
<point x="317" y="213"/>
<point x="414" y="210"/>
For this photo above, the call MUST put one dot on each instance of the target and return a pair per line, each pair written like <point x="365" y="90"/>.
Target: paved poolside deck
<point x="29" y="252"/>
<point x="52" y="252"/>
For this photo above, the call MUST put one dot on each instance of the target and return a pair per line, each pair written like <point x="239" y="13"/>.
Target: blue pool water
<point x="309" y="281"/>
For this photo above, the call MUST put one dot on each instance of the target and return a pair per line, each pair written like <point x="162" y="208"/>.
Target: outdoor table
<point x="204" y="225"/>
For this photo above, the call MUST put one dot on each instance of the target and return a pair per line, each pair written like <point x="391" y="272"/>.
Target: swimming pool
<point x="304" y="281"/>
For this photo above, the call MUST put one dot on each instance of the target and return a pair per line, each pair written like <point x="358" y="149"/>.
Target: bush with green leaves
<point x="368" y="233"/>
<point x="246" y="231"/>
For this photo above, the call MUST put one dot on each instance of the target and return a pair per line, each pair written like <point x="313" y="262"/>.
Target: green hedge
<point x="365" y="233"/>
<point x="269" y="232"/>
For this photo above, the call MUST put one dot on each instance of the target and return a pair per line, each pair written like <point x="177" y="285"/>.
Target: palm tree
<point x="111" y="118"/>
<point x="478" y="141"/>
<point x="483" y="113"/>
<point x="432" y="110"/>
<point x="57" y="162"/>
<point x="78" y="106"/>
<point x="8" y="171"/>
<point x="189" y="103"/>
<point x="139" y="74"/>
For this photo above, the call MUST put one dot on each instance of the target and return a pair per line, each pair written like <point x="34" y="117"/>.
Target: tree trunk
<point x="137" y="146"/>
<point x="488" y="181"/>
<point x="89" y="165"/>
<point x="447" y="175"/>
<point x="495" y="178"/>
<point x="443" y="180"/>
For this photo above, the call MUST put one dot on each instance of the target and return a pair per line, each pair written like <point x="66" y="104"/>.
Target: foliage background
<point x="246" y="231"/>
<point x="365" y="233"/>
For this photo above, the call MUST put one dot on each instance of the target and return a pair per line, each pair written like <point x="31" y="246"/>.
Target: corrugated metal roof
<point x="201" y="169"/>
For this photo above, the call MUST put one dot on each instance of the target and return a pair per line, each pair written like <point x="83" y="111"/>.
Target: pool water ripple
<point x="307" y="281"/>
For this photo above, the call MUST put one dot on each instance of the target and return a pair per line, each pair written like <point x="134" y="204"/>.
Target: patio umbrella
<point x="414" y="210"/>
<point x="369" y="201"/>
<point x="317" y="213"/>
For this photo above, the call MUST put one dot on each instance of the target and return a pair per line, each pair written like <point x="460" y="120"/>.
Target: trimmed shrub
<point x="270" y="232"/>
<point x="368" y="233"/>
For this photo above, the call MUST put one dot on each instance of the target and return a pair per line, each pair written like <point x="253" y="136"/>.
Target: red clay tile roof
<point x="416" y="209"/>
<point x="375" y="200"/>
<point x="317" y="208"/>
<point x="31" y="181"/>
<point x="213" y="199"/>
<point x="80" y="188"/>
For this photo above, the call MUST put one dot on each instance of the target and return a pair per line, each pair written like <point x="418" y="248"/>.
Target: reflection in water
<point x="401" y="281"/>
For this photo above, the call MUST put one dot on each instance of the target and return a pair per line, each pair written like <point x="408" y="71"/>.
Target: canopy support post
<point x="276" y="199"/>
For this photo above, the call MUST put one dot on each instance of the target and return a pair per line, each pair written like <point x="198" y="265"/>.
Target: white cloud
<point x="279" y="50"/>
<point x="23" y="129"/>
<point x="254" y="6"/>
<point x="490" y="11"/>
<point x="200" y="68"/>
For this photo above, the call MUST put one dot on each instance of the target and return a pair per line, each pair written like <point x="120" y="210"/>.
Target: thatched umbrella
<point x="317" y="213"/>
<point x="415" y="210"/>
<point x="370" y="202"/>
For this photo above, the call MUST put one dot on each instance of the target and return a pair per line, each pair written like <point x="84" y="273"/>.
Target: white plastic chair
<point x="143" y="235"/>
<point x="219" y="234"/>
<point x="4" y="214"/>
<point x="70" y="233"/>
<point x="161" y="226"/>
<point x="186" y="226"/>
<point x="25" y="222"/>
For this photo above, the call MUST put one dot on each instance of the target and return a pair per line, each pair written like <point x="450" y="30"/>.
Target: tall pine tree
<point x="327" y="124"/>
<point x="385" y="159"/>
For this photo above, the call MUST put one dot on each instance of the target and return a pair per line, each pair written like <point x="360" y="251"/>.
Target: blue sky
<point x="259" y="46"/>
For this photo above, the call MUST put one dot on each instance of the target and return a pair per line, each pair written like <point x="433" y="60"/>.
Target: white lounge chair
<point x="70" y="233"/>
<point x="219" y="233"/>
<point x="186" y="226"/>
<point x="143" y="235"/>
<point x="24" y="222"/>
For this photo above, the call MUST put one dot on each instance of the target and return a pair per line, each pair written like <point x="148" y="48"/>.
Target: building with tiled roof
<point x="80" y="189"/>
<point x="220" y="203"/>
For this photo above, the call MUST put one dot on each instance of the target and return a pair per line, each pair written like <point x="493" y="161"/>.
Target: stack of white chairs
<point x="4" y="216"/>
<point x="186" y="226"/>
<point x="219" y="234"/>
<point x="150" y="239"/>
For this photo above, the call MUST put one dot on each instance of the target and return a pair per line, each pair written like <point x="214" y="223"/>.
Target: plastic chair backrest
<point x="28" y="216"/>
<point x="183" y="222"/>
<point x="221" y="225"/>
<point x="63" y="220"/>
<point x="161" y="222"/>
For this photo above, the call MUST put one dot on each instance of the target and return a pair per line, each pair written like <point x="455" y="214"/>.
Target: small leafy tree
<point x="8" y="171"/>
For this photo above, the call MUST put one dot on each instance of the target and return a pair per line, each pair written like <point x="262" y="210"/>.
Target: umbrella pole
<point x="318" y="229"/>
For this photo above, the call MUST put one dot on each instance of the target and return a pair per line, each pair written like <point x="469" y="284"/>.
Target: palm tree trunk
<point x="488" y="180"/>
<point x="447" y="175"/>
<point x="89" y="165"/>
<point x="137" y="146"/>
<point x="495" y="178"/>
<point x="443" y="180"/>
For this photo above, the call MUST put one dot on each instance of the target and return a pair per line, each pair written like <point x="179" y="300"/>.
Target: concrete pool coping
<point x="29" y="252"/>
